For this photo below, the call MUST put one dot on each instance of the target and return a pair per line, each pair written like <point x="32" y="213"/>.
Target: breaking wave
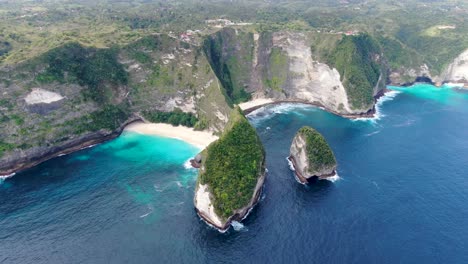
<point x="281" y="108"/>
<point x="389" y="96"/>
<point x="238" y="226"/>
<point x="4" y="177"/>
<point x="188" y="165"/>
<point x="334" y="178"/>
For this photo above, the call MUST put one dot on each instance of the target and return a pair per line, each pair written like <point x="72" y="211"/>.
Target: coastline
<point x="250" y="106"/>
<point x="41" y="155"/>
<point x="200" y="139"/>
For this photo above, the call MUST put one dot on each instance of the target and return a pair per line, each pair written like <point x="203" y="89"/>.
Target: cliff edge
<point x="231" y="175"/>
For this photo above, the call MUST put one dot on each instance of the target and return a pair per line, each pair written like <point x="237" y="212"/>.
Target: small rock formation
<point x="311" y="155"/>
<point x="196" y="161"/>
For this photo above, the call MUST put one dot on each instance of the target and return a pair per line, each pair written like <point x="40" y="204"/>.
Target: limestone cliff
<point x="457" y="71"/>
<point x="311" y="155"/>
<point x="283" y="67"/>
<point x="60" y="100"/>
<point x="231" y="175"/>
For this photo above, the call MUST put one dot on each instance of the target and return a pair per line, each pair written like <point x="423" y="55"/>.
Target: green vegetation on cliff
<point x="233" y="165"/>
<point x="5" y="147"/>
<point x="90" y="67"/>
<point x="319" y="153"/>
<point x="110" y="117"/>
<point x="278" y="69"/>
<point x="176" y="117"/>
<point x="355" y="57"/>
<point x="230" y="63"/>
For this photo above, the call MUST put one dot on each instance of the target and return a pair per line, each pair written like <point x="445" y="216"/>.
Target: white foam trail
<point x="373" y="133"/>
<point x="150" y="212"/>
<point x="389" y="96"/>
<point x="291" y="165"/>
<point x="407" y="123"/>
<point x="179" y="184"/>
<point x="237" y="226"/>
<point x="145" y="215"/>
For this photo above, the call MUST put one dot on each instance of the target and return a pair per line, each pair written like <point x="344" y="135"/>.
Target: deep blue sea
<point x="402" y="196"/>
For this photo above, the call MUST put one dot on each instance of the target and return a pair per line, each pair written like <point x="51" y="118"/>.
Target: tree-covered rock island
<point x="311" y="155"/>
<point x="232" y="173"/>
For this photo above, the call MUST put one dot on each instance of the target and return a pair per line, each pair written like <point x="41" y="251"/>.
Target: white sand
<point x="255" y="103"/>
<point x="203" y="204"/>
<point x="200" y="139"/>
<point x="37" y="96"/>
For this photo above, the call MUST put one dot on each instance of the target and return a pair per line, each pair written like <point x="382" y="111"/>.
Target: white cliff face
<point x="312" y="81"/>
<point x="298" y="152"/>
<point x="302" y="166"/>
<point x="457" y="71"/>
<point x="206" y="211"/>
<point x="205" y="206"/>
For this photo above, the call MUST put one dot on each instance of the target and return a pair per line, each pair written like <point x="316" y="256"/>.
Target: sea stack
<point x="311" y="155"/>
<point x="231" y="174"/>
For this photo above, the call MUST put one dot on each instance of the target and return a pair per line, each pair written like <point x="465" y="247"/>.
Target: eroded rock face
<point x="457" y="71"/>
<point x="309" y="80"/>
<point x="311" y="155"/>
<point x="205" y="209"/>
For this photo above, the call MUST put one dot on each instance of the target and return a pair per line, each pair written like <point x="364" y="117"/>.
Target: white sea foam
<point x="271" y="110"/>
<point x="4" y="177"/>
<point x="334" y="178"/>
<point x="291" y="165"/>
<point x="188" y="165"/>
<point x="389" y="96"/>
<point x="90" y="146"/>
<point x="237" y="226"/>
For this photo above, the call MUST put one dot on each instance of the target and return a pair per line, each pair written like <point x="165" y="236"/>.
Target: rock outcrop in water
<point x="231" y="175"/>
<point x="311" y="155"/>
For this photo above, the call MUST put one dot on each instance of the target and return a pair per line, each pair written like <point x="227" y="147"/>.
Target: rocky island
<point x="231" y="176"/>
<point x="311" y="155"/>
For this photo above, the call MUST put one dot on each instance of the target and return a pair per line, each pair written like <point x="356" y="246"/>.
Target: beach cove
<point x="400" y="196"/>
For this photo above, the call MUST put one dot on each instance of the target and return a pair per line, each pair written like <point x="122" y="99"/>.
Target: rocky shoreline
<point x="43" y="154"/>
<point x="369" y="114"/>
<point x="240" y="214"/>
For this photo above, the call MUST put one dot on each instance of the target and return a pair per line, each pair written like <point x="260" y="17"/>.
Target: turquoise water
<point x="401" y="196"/>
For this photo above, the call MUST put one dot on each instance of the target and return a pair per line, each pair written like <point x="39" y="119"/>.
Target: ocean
<point x="401" y="195"/>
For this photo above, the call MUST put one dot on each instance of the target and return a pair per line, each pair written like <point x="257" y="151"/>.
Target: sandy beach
<point x="255" y="103"/>
<point x="200" y="139"/>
